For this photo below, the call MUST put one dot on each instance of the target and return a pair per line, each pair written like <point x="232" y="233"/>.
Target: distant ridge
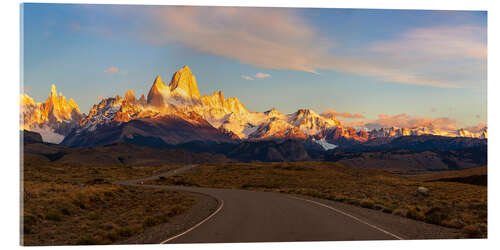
<point x="180" y="100"/>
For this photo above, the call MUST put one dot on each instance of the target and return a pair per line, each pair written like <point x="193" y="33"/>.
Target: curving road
<point x="251" y="216"/>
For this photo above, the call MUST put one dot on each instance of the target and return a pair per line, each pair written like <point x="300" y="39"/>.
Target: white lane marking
<point x="195" y="226"/>
<point x="350" y="216"/>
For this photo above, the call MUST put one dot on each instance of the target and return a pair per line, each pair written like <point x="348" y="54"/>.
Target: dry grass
<point x="448" y="204"/>
<point x="40" y="169"/>
<point x="65" y="204"/>
<point x="452" y="174"/>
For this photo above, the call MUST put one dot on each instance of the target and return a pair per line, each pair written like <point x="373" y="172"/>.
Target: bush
<point x="387" y="210"/>
<point x="367" y="203"/>
<point x="94" y="216"/>
<point x="124" y="232"/>
<point x="352" y="202"/>
<point x="149" y="222"/>
<point x="113" y="236"/>
<point x="435" y="215"/>
<point x="175" y="210"/>
<point x="414" y="213"/>
<point x="400" y="212"/>
<point x="87" y="241"/>
<point x="472" y="231"/>
<point x="454" y="223"/>
<point x="79" y="203"/>
<point x="65" y="211"/>
<point x="53" y="217"/>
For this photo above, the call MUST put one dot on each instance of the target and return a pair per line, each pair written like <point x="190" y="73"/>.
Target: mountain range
<point x="176" y="113"/>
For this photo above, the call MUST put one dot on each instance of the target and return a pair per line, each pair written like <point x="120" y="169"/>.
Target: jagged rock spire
<point x="184" y="83"/>
<point x="157" y="92"/>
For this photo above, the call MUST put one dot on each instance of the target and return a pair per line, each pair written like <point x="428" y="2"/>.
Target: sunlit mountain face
<point x="53" y="119"/>
<point x="176" y="113"/>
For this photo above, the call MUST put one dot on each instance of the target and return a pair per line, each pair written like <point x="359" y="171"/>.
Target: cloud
<point x="442" y="42"/>
<point x="407" y="121"/>
<point x="256" y="76"/>
<point x="114" y="70"/>
<point x="111" y="70"/>
<point x="249" y="78"/>
<point x="278" y="38"/>
<point x="477" y="128"/>
<point x="442" y="56"/>
<point x="332" y="112"/>
<point x="262" y="75"/>
<point x="273" y="38"/>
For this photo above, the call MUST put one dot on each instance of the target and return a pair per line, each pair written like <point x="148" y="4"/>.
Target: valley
<point x="75" y="167"/>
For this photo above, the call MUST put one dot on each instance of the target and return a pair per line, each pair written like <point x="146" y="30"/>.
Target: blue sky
<point x="424" y="64"/>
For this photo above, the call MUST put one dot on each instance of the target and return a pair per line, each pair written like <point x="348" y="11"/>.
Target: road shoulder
<point x="203" y="207"/>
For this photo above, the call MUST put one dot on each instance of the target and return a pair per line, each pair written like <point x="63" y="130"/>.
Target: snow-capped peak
<point x="310" y="122"/>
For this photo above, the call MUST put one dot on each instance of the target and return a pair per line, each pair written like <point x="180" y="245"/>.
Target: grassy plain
<point x="67" y="203"/>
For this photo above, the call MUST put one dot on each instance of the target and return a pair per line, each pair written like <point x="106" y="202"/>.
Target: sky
<point x="370" y="68"/>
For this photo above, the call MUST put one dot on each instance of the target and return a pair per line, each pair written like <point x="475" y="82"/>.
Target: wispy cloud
<point x="266" y="37"/>
<point x="248" y="78"/>
<point x="256" y="76"/>
<point x="477" y="128"/>
<point x="332" y="112"/>
<point x="443" y="43"/>
<point x="111" y="70"/>
<point x="276" y="38"/>
<point x="115" y="70"/>
<point x="262" y="75"/>
<point x="407" y="121"/>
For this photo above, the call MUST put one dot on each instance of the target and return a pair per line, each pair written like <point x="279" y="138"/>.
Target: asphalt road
<point x="251" y="216"/>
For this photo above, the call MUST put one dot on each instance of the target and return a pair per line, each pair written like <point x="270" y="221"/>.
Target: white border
<point x="9" y="119"/>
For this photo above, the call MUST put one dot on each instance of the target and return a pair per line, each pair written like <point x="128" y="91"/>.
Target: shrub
<point x="175" y="210"/>
<point x="27" y="229"/>
<point x="414" y="213"/>
<point x="113" y="236"/>
<point x="28" y="222"/>
<point x="472" y="231"/>
<point x="87" y="241"/>
<point x="400" y="212"/>
<point x="94" y="216"/>
<point x="124" y="232"/>
<point x="454" y="223"/>
<point x="53" y="217"/>
<point x="435" y="215"/>
<point x="65" y="211"/>
<point x="149" y="222"/>
<point x="367" y="203"/>
<point x="352" y="202"/>
<point x="387" y="210"/>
